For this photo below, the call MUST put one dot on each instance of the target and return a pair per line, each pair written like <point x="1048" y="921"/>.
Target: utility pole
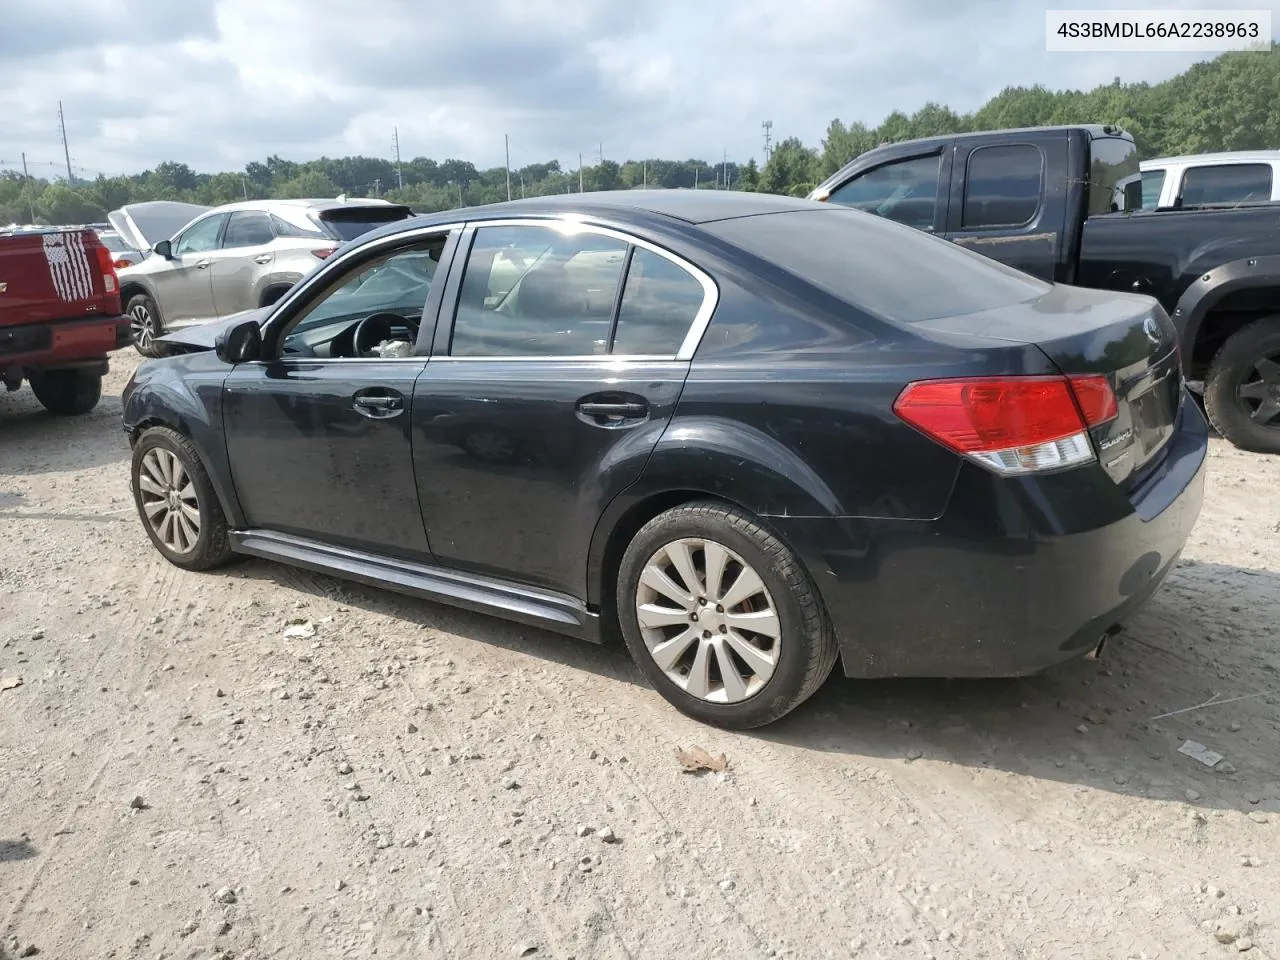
<point x="26" y="178"/>
<point x="25" y="175"/>
<point x="244" y="185"/>
<point x="459" y="193"/>
<point x="768" y="138"/>
<point x="66" y="151"/>
<point x="580" y="173"/>
<point x="644" y="172"/>
<point x="395" y="144"/>
<point x="695" y="177"/>
<point x="724" y="168"/>
<point x="377" y="186"/>
<point x="521" y="184"/>
<point x="506" y="139"/>
<point x="602" y="153"/>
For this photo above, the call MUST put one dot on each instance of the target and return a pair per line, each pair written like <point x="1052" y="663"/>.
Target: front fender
<point x="184" y="393"/>
<point x="1208" y="290"/>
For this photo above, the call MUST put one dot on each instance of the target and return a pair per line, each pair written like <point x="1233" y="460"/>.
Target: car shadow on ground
<point x="34" y="442"/>
<point x="1091" y="723"/>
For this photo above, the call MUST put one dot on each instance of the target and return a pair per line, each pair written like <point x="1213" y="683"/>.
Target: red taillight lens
<point x="1013" y="425"/>
<point x="108" y="268"/>
<point x="1096" y="398"/>
<point x="322" y="253"/>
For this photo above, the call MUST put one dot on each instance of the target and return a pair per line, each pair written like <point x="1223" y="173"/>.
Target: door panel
<point x="517" y="459"/>
<point x="185" y="290"/>
<point x="322" y="449"/>
<point x="245" y="255"/>
<point x="1008" y="201"/>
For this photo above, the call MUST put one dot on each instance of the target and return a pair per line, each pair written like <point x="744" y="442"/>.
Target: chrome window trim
<point x="577" y="223"/>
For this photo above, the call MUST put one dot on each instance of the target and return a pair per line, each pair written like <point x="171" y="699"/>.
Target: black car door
<point x="318" y="433"/>
<point x="1008" y="200"/>
<point x="559" y="357"/>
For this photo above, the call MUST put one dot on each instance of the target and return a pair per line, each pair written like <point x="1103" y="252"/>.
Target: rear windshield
<point x="894" y="272"/>
<point x="349" y="223"/>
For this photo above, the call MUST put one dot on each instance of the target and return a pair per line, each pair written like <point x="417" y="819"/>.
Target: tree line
<point x="1229" y="103"/>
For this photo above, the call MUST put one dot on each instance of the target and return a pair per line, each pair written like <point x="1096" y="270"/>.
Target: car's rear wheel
<point x="176" y="501"/>
<point x="145" y="324"/>
<point x="1242" y="390"/>
<point x="66" y="393"/>
<point x="721" y="617"/>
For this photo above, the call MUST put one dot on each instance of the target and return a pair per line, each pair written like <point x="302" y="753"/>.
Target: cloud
<point x="218" y="83"/>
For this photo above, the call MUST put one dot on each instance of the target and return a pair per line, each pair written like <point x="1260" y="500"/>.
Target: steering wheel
<point x="377" y="327"/>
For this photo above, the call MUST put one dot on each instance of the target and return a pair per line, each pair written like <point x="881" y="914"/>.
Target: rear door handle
<point x="625" y="409"/>
<point x="378" y="406"/>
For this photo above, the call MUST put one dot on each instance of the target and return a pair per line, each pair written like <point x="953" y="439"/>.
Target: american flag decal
<point x="68" y="266"/>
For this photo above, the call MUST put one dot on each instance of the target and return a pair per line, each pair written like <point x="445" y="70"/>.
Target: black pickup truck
<point x="1064" y="204"/>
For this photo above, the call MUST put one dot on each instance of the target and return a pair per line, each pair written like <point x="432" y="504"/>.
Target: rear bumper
<point x="1014" y="577"/>
<point x="62" y="342"/>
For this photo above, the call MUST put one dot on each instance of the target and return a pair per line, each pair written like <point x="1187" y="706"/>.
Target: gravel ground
<point x="180" y="777"/>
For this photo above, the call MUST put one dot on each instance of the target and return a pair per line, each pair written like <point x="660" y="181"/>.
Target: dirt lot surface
<point x="179" y="778"/>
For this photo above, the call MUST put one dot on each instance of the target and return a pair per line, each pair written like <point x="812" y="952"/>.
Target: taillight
<point x="1012" y="425"/>
<point x="108" y="268"/>
<point x="323" y="252"/>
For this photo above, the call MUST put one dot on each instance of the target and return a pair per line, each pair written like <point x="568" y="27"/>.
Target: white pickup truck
<point x="1206" y="179"/>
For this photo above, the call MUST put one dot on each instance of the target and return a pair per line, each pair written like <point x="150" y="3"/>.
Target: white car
<point x="239" y="257"/>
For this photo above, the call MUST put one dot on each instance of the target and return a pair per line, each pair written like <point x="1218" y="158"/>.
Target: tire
<point x="67" y="393"/>
<point x="145" y="324"/>
<point x="1242" y="390"/>
<point x="801" y="656"/>
<point x="157" y="489"/>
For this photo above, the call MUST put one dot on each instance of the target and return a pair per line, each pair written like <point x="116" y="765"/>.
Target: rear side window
<point x="1226" y="183"/>
<point x="905" y="191"/>
<point x="247" y="229"/>
<point x="1003" y="185"/>
<point x="659" y="304"/>
<point x="897" y="274"/>
<point x="286" y="228"/>
<point x="1112" y="160"/>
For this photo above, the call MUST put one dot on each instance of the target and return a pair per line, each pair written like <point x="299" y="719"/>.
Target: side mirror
<point x="164" y="248"/>
<point x="240" y="344"/>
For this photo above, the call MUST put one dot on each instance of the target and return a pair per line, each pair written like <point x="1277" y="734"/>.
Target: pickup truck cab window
<point x="902" y="190"/>
<point x="1003" y="186"/>
<point x="1152" y="185"/>
<point x="1226" y="183"/>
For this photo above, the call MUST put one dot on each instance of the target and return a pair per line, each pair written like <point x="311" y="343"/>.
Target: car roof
<point x="688" y="206"/>
<point x="1229" y="156"/>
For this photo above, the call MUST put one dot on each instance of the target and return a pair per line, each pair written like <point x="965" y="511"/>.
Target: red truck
<point x="59" y="316"/>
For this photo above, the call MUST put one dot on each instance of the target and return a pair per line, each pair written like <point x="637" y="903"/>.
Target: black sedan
<point x="754" y="435"/>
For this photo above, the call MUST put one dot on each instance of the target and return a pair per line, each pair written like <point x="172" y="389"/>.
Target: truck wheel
<point x="176" y="501"/>
<point x="67" y="393"/>
<point x="1242" y="390"/>
<point x="145" y="324"/>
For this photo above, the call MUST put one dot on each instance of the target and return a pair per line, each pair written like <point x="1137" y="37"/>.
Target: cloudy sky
<point x="217" y="83"/>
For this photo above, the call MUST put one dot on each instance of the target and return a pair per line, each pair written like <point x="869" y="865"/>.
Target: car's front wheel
<point x="176" y="501"/>
<point x="721" y="617"/>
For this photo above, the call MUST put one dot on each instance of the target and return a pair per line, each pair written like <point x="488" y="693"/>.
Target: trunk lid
<point x="1126" y="337"/>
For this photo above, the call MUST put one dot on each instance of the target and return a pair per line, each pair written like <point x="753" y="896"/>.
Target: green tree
<point x="59" y="204"/>
<point x="313" y="185"/>
<point x="792" y="168"/>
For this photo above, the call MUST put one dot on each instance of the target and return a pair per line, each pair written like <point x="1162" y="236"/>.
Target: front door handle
<point x="378" y="406"/>
<point x="262" y="258"/>
<point x="201" y="264"/>
<point x="613" y="410"/>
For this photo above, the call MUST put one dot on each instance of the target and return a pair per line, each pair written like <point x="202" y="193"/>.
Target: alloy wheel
<point x="708" y="620"/>
<point x="142" y="326"/>
<point x="1260" y="394"/>
<point x="169" y="500"/>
